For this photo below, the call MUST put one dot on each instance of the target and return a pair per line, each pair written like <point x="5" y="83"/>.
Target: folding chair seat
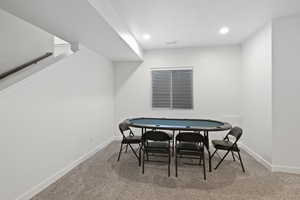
<point x="132" y="139"/>
<point x="158" y="147"/>
<point x="189" y="147"/>
<point x="224" y="145"/>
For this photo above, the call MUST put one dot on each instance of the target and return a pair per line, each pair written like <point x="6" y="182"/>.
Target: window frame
<point x="171" y="92"/>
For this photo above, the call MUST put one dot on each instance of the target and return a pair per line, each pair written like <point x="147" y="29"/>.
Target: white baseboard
<point x="256" y="156"/>
<point x="44" y="184"/>
<point x="268" y="165"/>
<point x="287" y="169"/>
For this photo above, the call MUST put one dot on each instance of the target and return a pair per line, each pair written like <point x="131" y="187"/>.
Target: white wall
<point x="257" y="93"/>
<point x="216" y="83"/>
<point x="21" y="41"/>
<point x="117" y="21"/>
<point x="89" y="27"/>
<point x="286" y="96"/>
<point x="52" y="118"/>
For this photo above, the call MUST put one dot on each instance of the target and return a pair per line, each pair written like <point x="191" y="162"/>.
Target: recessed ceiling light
<point x="146" y="37"/>
<point x="224" y="30"/>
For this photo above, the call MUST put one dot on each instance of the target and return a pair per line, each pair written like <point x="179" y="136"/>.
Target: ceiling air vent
<point x="171" y="42"/>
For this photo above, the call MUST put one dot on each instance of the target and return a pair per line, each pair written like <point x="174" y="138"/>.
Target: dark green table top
<point x="179" y="124"/>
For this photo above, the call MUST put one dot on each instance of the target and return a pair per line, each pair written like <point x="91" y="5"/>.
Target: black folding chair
<point x="230" y="146"/>
<point x="190" y="145"/>
<point x="129" y="140"/>
<point x="156" y="143"/>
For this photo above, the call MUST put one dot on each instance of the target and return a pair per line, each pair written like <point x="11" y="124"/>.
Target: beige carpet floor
<point x="102" y="177"/>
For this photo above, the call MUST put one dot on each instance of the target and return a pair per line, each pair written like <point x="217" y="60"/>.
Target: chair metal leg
<point x="140" y="154"/>
<point x="147" y="153"/>
<point x="200" y="160"/>
<point x="204" y="170"/>
<point x="169" y="163"/>
<point x="233" y="155"/>
<point x="126" y="148"/>
<point x="134" y="151"/>
<point x="222" y="159"/>
<point x="241" y="161"/>
<point x="120" y="151"/>
<point x="214" y="153"/>
<point x="176" y="165"/>
<point x="143" y="163"/>
<point x="209" y="159"/>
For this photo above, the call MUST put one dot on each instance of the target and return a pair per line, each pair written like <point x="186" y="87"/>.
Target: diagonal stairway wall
<point x="76" y="22"/>
<point x="52" y="120"/>
<point x="21" y="42"/>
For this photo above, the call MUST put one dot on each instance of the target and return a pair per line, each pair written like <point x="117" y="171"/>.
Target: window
<point x="172" y="89"/>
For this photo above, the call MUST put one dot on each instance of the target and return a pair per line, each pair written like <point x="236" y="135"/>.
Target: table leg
<point x="206" y="141"/>
<point x="141" y="148"/>
<point x="173" y="145"/>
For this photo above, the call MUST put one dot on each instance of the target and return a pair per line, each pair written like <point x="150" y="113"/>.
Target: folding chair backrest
<point x="123" y="127"/>
<point x="189" y="137"/>
<point x="156" y="136"/>
<point x="236" y="132"/>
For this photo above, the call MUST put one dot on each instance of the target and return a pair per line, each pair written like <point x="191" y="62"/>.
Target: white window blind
<point x="172" y="89"/>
